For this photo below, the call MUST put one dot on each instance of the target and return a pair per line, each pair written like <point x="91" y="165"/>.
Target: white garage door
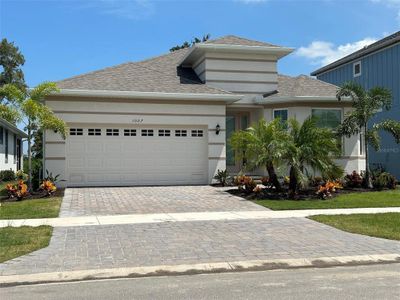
<point x="112" y="156"/>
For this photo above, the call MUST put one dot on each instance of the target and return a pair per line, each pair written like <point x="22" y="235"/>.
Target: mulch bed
<point x="34" y="195"/>
<point x="306" y="194"/>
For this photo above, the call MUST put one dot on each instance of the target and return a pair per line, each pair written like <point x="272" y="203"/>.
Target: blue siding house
<point x="375" y="65"/>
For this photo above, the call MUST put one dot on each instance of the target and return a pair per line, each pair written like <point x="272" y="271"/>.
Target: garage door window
<point x="129" y="132"/>
<point x="197" y="133"/>
<point x="147" y="132"/>
<point x="164" y="132"/>
<point x="94" y="131"/>
<point x="76" y="131"/>
<point x="112" y="132"/>
<point x="180" y="132"/>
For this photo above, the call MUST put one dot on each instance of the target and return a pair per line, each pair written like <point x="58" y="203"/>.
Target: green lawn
<point x="384" y="225"/>
<point x="17" y="241"/>
<point x="390" y="198"/>
<point x="31" y="208"/>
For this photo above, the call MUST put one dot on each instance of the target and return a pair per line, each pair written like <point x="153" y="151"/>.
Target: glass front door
<point x="234" y="122"/>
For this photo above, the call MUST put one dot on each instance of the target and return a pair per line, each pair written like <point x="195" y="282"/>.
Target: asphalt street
<point x="358" y="282"/>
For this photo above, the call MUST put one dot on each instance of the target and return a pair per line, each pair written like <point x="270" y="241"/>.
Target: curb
<point x="189" y="269"/>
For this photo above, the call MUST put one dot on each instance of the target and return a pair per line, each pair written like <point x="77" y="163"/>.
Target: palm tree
<point x="366" y="103"/>
<point x="261" y="145"/>
<point x="310" y="147"/>
<point x="34" y="113"/>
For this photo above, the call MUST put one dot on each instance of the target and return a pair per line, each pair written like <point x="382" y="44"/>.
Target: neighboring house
<point x="11" y="154"/>
<point x="375" y="65"/>
<point x="167" y="120"/>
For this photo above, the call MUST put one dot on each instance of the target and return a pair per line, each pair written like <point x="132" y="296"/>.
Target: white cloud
<point x="129" y="9"/>
<point x="323" y="53"/>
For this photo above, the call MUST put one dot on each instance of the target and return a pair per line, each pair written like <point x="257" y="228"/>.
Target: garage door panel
<point x="137" y="160"/>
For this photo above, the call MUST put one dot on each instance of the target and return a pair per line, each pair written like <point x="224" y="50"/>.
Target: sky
<point x="63" y="38"/>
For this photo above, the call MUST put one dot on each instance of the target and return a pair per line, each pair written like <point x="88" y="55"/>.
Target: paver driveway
<point x="150" y="200"/>
<point x="186" y="242"/>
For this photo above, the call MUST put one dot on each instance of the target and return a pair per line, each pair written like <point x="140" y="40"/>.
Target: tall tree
<point x="366" y="104"/>
<point x="35" y="114"/>
<point x="187" y="44"/>
<point x="310" y="146"/>
<point x="11" y="60"/>
<point x="262" y="145"/>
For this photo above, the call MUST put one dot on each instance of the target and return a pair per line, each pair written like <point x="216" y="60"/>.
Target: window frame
<point x="197" y="133"/>
<point x="181" y="133"/>
<point x="6" y="147"/>
<point x="342" y="140"/>
<point x="94" y="132"/>
<point x="113" y="131"/>
<point x="130" y="132"/>
<point x="357" y="63"/>
<point x="281" y="109"/>
<point x="76" y="131"/>
<point x="164" y="132"/>
<point x="146" y="132"/>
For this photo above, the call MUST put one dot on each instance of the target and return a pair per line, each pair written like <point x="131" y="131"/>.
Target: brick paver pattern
<point x="150" y="200"/>
<point x="93" y="247"/>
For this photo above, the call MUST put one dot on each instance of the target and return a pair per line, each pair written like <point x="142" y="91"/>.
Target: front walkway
<point x="191" y="216"/>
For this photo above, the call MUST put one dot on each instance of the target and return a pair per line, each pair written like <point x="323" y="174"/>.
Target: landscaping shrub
<point x="354" y="180"/>
<point x="315" y="181"/>
<point x="7" y="175"/>
<point x="222" y="177"/>
<point x="19" y="190"/>
<point x="21" y="175"/>
<point x="326" y="190"/>
<point x="245" y="183"/>
<point x="48" y="187"/>
<point x="384" y="180"/>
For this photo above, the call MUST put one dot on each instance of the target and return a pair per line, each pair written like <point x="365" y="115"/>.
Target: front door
<point x="234" y="122"/>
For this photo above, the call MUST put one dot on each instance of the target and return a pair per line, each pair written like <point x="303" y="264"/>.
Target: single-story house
<point x="11" y="153"/>
<point x="166" y="120"/>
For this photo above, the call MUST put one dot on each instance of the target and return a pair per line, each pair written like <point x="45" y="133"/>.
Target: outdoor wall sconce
<point x="217" y="129"/>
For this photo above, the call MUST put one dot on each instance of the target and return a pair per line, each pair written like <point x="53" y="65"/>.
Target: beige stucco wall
<point x="117" y="112"/>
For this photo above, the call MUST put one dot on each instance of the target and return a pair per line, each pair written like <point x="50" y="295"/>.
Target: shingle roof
<point x="159" y="74"/>
<point x="236" y="40"/>
<point x="304" y="86"/>
<point x="385" y="42"/>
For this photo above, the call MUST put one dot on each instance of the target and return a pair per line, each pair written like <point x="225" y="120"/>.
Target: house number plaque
<point x="137" y="120"/>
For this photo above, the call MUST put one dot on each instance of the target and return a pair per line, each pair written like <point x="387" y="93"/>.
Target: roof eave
<point x="13" y="128"/>
<point x="290" y="99"/>
<point x="228" y="98"/>
<point x="198" y="49"/>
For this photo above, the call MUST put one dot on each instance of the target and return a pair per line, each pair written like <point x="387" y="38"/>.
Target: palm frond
<point x="391" y="126"/>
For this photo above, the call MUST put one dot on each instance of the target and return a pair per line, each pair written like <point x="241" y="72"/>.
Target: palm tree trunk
<point x="29" y="157"/>
<point x="368" y="181"/>
<point x="273" y="177"/>
<point x="292" y="183"/>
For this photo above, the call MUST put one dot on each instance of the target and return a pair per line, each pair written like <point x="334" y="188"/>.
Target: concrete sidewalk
<point x="186" y="217"/>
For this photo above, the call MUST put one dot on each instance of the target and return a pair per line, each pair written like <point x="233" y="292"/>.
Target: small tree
<point x="312" y="147"/>
<point x="262" y="145"/>
<point x="11" y="61"/>
<point x="187" y="44"/>
<point x="366" y="104"/>
<point x="35" y="114"/>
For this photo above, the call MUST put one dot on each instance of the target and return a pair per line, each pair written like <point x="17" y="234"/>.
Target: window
<point x="282" y="114"/>
<point x="129" y="132"/>
<point x="15" y="148"/>
<point x="361" y="144"/>
<point x="94" y="131"/>
<point x="164" y="132"/>
<point x="327" y="118"/>
<point x="112" y="132"/>
<point x="357" y="69"/>
<point x="6" y="147"/>
<point x="179" y="132"/>
<point x="76" y="131"/>
<point x="147" y="132"/>
<point x="197" y="133"/>
<point x="1" y="135"/>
